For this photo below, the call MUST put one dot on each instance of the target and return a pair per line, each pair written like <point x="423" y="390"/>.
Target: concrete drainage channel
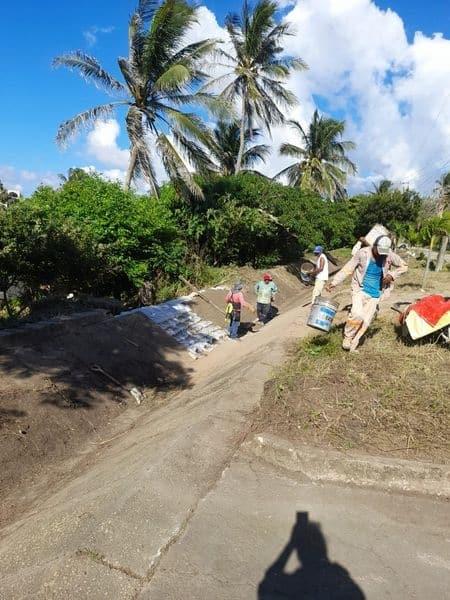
<point x="177" y="318"/>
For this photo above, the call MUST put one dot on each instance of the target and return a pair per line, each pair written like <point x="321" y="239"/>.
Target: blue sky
<point x="35" y="98"/>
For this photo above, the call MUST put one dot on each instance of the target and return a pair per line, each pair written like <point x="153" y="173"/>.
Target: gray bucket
<point x="322" y="314"/>
<point x="305" y="272"/>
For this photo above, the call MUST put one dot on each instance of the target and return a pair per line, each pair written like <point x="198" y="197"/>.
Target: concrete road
<point x="262" y="535"/>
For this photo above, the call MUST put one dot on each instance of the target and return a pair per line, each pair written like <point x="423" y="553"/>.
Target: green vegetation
<point x="396" y="209"/>
<point x="248" y="219"/>
<point x="93" y="236"/>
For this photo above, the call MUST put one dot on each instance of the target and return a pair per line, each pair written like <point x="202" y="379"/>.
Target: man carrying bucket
<point x="372" y="281"/>
<point x="321" y="272"/>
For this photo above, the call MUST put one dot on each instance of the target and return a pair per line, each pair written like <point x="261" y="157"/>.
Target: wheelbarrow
<point x="416" y="326"/>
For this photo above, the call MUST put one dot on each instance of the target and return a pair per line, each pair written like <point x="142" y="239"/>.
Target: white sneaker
<point x="346" y="344"/>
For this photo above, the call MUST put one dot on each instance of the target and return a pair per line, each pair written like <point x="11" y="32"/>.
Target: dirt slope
<point x="54" y="408"/>
<point x="51" y="402"/>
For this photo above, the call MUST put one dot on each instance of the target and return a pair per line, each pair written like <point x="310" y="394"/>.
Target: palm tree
<point x="226" y="144"/>
<point x="72" y="174"/>
<point x="382" y="187"/>
<point x="443" y="193"/>
<point x="322" y="164"/>
<point x="257" y="70"/>
<point x="158" y="80"/>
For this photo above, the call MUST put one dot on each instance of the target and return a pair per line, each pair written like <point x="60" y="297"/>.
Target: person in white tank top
<point x="321" y="272"/>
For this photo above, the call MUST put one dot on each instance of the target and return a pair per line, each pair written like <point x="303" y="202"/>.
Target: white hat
<point x="383" y="245"/>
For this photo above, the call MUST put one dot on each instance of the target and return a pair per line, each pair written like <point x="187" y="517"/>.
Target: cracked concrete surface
<point x="175" y="509"/>
<point x="241" y="528"/>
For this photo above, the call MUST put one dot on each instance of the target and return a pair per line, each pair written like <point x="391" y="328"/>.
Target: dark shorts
<point x="263" y="310"/>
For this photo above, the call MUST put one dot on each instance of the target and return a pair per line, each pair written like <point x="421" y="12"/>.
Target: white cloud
<point x="102" y="145"/>
<point x="394" y="95"/>
<point x="26" y="181"/>
<point x="91" y="34"/>
<point x="285" y="3"/>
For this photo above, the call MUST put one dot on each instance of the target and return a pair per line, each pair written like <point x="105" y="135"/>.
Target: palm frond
<point x="146" y="9"/>
<point x="293" y="174"/>
<point x="215" y="83"/>
<point x="90" y="69"/>
<point x="266" y="107"/>
<point x="137" y="134"/>
<point x="174" y="79"/>
<point x="216" y="106"/>
<point x="287" y="149"/>
<point x="69" y="128"/>
<point x="280" y="94"/>
<point x="190" y="124"/>
<point x="144" y="168"/>
<point x="256" y="154"/>
<point x="136" y="41"/>
<point x="260" y="24"/>
<point x="196" y="51"/>
<point x="195" y="154"/>
<point x="176" y="168"/>
<point x="170" y="23"/>
<point x="131" y="76"/>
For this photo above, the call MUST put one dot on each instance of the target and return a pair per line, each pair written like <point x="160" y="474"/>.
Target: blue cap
<point x="318" y="250"/>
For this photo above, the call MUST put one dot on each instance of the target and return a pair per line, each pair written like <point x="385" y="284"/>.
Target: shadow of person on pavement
<point x="316" y="579"/>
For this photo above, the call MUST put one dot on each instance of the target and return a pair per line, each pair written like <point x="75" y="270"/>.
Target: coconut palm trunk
<point x="427" y="267"/>
<point x="442" y="252"/>
<point x="131" y="168"/>
<point x="242" y="135"/>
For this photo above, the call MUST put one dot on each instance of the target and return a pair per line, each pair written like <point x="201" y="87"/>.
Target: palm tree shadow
<point x="317" y="578"/>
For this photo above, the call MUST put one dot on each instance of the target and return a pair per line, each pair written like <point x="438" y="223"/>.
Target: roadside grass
<point x="413" y="279"/>
<point x="391" y="399"/>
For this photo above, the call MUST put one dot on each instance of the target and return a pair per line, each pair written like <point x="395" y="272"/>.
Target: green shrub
<point x="247" y="218"/>
<point x="397" y="210"/>
<point x="135" y="235"/>
<point x="36" y="250"/>
<point x="91" y="235"/>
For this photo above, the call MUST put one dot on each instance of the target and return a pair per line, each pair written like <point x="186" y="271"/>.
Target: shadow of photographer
<point x="317" y="578"/>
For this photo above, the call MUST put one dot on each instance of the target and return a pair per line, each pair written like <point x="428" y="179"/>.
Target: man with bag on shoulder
<point x="372" y="281"/>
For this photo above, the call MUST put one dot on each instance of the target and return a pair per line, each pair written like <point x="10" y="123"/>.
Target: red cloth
<point x="431" y="309"/>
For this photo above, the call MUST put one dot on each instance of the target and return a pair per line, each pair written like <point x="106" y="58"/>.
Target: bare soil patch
<point x="54" y="407"/>
<point x="391" y="399"/>
<point x="291" y="292"/>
